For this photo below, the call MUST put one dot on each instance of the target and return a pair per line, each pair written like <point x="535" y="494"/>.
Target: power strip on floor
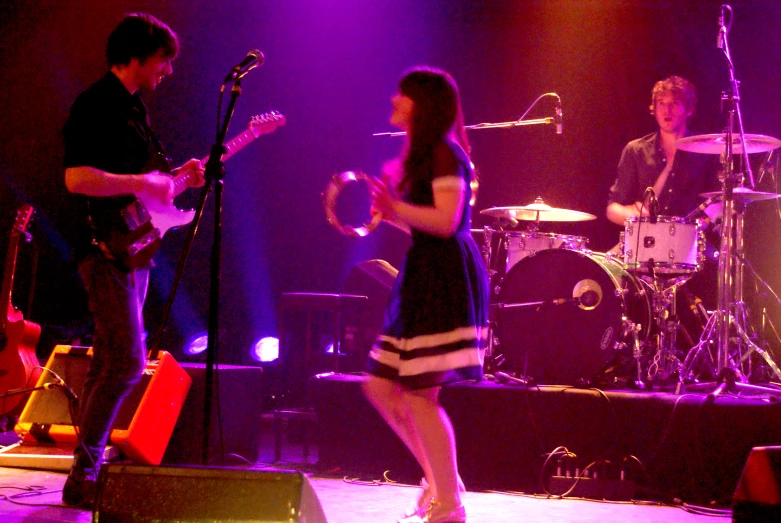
<point x="608" y="489"/>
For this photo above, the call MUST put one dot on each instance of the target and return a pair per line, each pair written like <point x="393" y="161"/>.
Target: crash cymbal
<point x="717" y="143"/>
<point x="743" y="194"/>
<point x="537" y="211"/>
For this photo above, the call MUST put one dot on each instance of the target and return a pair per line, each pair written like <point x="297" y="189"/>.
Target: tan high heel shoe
<point x="436" y="513"/>
<point x="416" y="512"/>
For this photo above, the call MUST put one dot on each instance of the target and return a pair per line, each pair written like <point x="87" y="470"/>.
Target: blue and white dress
<point x="436" y="321"/>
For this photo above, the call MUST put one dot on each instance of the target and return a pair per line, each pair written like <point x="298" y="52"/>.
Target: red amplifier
<point x="145" y="421"/>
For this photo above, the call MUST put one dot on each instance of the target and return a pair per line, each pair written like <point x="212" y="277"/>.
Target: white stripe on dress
<point x="467" y="357"/>
<point x="444" y="338"/>
<point x="461" y="358"/>
<point x="451" y="181"/>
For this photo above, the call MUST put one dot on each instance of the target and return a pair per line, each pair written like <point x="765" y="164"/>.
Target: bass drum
<point x="563" y="341"/>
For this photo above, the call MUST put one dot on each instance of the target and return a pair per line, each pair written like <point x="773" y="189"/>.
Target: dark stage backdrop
<point x="331" y="66"/>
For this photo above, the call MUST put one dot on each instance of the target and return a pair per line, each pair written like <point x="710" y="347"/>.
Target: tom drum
<point x="671" y="245"/>
<point x="523" y="244"/>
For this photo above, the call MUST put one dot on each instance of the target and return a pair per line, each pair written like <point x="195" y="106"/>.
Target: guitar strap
<point x="153" y="138"/>
<point x="157" y="161"/>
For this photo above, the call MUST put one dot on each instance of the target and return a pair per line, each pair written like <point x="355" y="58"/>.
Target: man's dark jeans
<point x="116" y="299"/>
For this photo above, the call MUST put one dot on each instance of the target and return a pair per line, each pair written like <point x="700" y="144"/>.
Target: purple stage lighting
<point x="196" y="344"/>
<point x="265" y="349"/>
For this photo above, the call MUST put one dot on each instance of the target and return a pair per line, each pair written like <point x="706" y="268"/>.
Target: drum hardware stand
<point x="731" y="316"/>
<point x="665" y="362"/>
<point x="731" y="313"/>
<point x="632" y="329"/>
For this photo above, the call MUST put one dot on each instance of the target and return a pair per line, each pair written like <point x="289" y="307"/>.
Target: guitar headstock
<point x="23" y="215"/>
<point x="266" y="123"/>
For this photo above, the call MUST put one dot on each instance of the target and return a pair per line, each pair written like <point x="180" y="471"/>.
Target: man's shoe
<point x="79" y="492"/>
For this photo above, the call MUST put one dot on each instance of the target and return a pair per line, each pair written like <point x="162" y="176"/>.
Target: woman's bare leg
<point x="388" y="398"/>
<point x="435" y="432"/>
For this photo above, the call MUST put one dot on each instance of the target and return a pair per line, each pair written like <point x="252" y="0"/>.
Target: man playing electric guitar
<point x="108" y="143"/>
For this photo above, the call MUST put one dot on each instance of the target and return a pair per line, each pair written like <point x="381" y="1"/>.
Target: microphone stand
<point x="214" y="173"/>
<point x="520" y="122"/>
<point x="731" y="308"/>
<point x="498" y="125"/>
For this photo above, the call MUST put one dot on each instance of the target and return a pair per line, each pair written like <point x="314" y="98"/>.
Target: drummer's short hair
<point x="678" y="87"/>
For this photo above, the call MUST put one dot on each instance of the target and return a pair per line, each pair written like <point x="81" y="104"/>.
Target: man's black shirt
<point x="107" y="129"/>
<point x="641" y="163"/>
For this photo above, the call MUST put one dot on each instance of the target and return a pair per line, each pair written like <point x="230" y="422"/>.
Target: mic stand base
<point x="524" y="381"/>
<point x="729" y="382"/>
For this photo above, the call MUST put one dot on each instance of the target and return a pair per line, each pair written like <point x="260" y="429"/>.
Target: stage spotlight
<point x="265" y="349"/>
<point x="329" y="349"/>
<point x="196" y="344"/>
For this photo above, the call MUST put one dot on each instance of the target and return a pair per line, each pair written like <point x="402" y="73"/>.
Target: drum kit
<point x="559" y="311"/>
<point x="563" y="314"/>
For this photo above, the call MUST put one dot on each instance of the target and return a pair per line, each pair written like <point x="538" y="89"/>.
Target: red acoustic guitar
<point x="18" y="337"/>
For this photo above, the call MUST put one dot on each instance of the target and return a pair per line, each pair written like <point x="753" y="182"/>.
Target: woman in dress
<point x="436" y="321"/>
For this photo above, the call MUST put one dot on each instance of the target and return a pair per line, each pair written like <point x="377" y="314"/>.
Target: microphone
<point x="696" y="306"/>
<point x="722" y="30"/>
<point x="701" y="209"/>
<point x="587" y="294"/>
<point x="253" y="59"/>
<point x="589" y="298"/>
<point x="557" y="117"/>
<point x="653" y="205"/>
<point x="767" y="166"/>
<point x="60" y="384"/>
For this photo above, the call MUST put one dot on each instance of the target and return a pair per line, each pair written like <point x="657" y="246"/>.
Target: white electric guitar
<point x="146" y="220"/>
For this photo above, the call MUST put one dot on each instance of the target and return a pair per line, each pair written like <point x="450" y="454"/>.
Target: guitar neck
<point x="238" y="143"/>
<point x="8" y="279"/>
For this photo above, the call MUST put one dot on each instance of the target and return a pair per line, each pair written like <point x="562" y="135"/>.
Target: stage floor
<point x="688" y="446"/>
<point x="361" y="503"/>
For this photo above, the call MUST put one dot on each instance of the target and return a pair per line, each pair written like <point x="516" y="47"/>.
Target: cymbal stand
<point x="495" y="266"/>
<point x="731" y="314"/>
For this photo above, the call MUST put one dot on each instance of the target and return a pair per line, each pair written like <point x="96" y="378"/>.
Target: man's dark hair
<point x="140" y="35"/>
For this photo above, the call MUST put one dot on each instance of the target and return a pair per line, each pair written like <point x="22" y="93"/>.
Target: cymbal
<point x="743" y="194"/>
<point x="538" y="211"/>
<point x="717" y="143"/>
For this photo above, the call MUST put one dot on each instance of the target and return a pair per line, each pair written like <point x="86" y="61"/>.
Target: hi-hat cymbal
<point x="717" y="143"/>
<point x="744" y="195"/>
<point x="538" y="212"/>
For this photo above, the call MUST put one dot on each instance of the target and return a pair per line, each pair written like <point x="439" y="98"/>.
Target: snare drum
<point x="523" y="244"/>
<point x="674" y="245"/>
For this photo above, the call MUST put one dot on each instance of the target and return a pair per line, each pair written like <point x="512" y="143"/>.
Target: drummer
<point x="677" y="178"/>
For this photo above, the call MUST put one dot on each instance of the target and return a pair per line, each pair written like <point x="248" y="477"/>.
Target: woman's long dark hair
<point x="436" y="113"/>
